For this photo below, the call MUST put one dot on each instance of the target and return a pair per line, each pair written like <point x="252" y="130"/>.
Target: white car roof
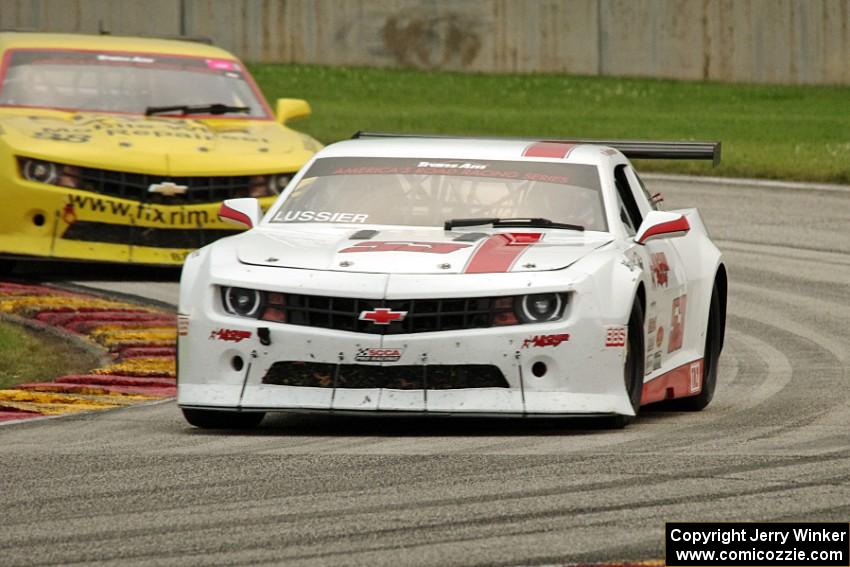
<point x="470" y="148"/>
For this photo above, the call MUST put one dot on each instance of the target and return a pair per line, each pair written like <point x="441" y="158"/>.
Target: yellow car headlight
<point x="50" y="173"/>
<point x="268" y="185"/>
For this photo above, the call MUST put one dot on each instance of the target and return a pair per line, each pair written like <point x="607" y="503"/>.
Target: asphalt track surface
<point x="140" y="486"/>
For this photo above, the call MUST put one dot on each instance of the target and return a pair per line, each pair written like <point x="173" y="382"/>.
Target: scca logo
<point x="378" y="354"/>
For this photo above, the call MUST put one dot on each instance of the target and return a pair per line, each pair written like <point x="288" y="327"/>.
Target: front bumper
<point x="45" y="221"/>
<point x="582" y="376"/>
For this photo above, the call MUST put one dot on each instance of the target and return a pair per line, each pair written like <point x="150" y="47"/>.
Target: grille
<point x="423" y="315"/>
<point x="410" y="377"/>
<point x="134" y="186"/>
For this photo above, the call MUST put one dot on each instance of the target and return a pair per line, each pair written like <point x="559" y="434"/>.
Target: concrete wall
<point x="770" y="41"/>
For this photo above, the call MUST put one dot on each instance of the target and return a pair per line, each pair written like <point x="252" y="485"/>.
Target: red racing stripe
<point x="686" y="380"/>
<point x="499" y="252"/>
<point x="548" y="150"/>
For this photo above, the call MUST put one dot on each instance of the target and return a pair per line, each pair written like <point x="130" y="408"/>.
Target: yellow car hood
<point x="157" y="145"/>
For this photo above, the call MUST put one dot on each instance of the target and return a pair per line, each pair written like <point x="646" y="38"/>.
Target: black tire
<point x="213" y="419"/>
<point x="711" y="357"/>
<point x="634" y="365"/>
<point x="7" y="267"/>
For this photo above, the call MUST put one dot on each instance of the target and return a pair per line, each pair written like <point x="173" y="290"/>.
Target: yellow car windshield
<point x="127" y="82"/>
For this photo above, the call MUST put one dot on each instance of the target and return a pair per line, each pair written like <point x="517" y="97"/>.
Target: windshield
<point x="428" y="192"/>
<point x="125" y="82"/>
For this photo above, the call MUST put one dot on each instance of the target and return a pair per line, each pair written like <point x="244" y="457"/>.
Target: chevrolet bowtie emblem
<point x="382" y="316"/>
<point x="168" y="189"/>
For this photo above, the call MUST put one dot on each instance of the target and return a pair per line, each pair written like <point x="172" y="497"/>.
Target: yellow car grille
<point x="174" y="190"/>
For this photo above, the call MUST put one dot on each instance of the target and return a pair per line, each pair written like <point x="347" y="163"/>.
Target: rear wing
<point x="632" y="149"/>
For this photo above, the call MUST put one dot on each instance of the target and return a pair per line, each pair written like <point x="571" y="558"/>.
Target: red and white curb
<point x="137" y="343"/>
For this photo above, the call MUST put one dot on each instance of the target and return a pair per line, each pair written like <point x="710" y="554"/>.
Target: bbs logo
<point x="615" y="337"/>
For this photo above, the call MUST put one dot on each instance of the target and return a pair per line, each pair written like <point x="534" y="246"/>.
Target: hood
<point x="416" y="251"/>
<point x="154" y="144"/>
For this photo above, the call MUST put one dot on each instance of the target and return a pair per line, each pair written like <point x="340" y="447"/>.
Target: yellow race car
<point x="120" y="149"/>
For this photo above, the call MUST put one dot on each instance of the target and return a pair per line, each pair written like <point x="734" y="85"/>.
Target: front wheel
<point x="633" y="367"/>
<point x="213" y="419"/>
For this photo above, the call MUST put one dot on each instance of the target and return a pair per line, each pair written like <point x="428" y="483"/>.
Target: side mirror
<point x="244" y="212"/>
<point x="292" y="109"/>
<point x="661" y="224"/>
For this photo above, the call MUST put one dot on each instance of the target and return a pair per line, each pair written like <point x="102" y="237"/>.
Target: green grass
<point x="30" y="357"/>
<point x="776" y="132"/>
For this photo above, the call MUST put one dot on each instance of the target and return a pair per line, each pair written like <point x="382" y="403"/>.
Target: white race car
<point x="450" y="276"/>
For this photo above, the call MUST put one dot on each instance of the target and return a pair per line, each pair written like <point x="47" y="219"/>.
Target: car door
<point x="665" y="277"/>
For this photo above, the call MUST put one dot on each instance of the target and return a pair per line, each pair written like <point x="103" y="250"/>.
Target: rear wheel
<point x="212" y="419"/>
<point x="710" y="360"/>
<point x="633" y="368"/>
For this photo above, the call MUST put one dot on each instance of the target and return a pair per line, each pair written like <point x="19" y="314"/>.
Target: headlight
<point x="40" y="171"/>
<point x="50" y="173"/>
<point x="540" y="307"/>
<point x="241" y="301"/>
<point x="268" y="185"/>
<point x="277" y="183"/>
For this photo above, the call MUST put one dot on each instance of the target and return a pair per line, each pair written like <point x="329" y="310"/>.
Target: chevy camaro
<point x="450" y="276"/>
<point x="121" y="149"/>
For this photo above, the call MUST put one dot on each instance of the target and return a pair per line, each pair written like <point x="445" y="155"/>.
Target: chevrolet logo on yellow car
<point x="168" y="189"/>
<point x="102" y="170"/>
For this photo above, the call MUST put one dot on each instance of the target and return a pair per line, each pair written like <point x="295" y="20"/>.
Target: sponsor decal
<point x="659" y="337"/>
<point x="182" y="325"/>
<point x="449" y="165"/>
<point x="647" y="367"/>
<point x="634" y="262"/>
<point x="378" y="354"/>
<point x="615" y="337"/>
<point x="382" y="316"/>
<point x="137" y="211"/>
<point x="660" y="269"/>
<point x="385" y="246"/>
<point x="82" y="131"/>
<point x="696" y="377"/>
<point x="222" y="65"/>
<point x="229" y="335"/>
<point x="125" y="59"/>
<point x="651" y="325"/>
<point x="677" y="323"/>
<point x="531" y="171"/>
<point x="545" y="340"/>
<point x="319" y="216"/>
<point x="61" y="135"/>
<point x="656" y="363"/>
